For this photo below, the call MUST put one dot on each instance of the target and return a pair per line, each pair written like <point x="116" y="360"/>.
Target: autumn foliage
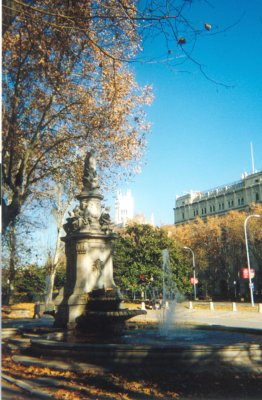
<point x="66" y="89"/>
<point x="220" y="251"/>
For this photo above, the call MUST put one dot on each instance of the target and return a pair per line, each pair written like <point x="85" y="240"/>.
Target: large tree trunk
<point x="52" y="268"/>
<point x="50" y="286"/>
<point x="9" y="213"/>
<point x="12" y="263"/>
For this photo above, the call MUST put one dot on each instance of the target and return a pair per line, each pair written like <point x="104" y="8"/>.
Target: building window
<point x="239" y="202"/>
<point x="232" y="203"/>
<point x="183" y="215"/>
<point x="242" y="200"/>
<point x="228" y="204"/>
<point x="257" y="196"/>
<point x="210" y="208"/>
<point x="214" y="209"/>
<point x="223" y="206"/>
<point x="219" y="206"/>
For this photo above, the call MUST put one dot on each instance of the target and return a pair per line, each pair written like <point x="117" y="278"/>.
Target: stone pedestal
<point x="89" y="267"/>
<point x="90" y="298"/>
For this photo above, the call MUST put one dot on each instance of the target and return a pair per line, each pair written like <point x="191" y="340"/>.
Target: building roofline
<point x="218" y="189"/>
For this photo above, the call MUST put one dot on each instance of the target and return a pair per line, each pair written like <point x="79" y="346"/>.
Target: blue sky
<point x="201" y="132"/>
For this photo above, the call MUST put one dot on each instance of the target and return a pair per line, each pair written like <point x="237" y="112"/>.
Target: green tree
<point x="30" y="279"/>
<point x="60" y="277"/>
<point x="18" y="245"/>
<point x="138" y="259"/>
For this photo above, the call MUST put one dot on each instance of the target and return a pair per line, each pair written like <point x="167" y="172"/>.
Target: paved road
<point x="182" y="314"/>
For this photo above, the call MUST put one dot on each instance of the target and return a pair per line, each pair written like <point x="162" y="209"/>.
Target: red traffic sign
<point x="193" y="281"/>
<point x="245" y="273"/>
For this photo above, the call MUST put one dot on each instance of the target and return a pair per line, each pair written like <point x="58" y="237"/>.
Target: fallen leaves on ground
<point x="14" y="311"/>
<point x="140" y="383"/>
<point x="65" y="395"/>
<point x="112" y="385"/>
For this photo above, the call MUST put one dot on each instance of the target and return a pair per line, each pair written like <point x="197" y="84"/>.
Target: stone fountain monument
<point x="91" y="300"/>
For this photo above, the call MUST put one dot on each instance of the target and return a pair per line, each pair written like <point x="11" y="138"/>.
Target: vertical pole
<point x="194" y="275"/>
<point x="248" y="257"/>
<point x="194" y="269"/>
<point x="248" y="262"/>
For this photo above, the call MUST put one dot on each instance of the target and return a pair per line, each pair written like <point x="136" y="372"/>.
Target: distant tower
<point x="152" y="219"/>
<point x="124" y="208"/>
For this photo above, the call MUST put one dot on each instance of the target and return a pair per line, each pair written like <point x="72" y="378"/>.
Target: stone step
<point x="20" y="341"/>
<point x="48" y="383"/>
<point x="207" y="357"/>
<point x="11" y="346"/>
<point x="6" y="333"/>
<point x="39" y="392"/>
<point x="30" y="335"/>
<point x="61" y="365"/>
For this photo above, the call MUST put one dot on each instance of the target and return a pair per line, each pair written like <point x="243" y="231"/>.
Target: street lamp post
<point x="194" y="270"/>
<point x="248" y="257"/>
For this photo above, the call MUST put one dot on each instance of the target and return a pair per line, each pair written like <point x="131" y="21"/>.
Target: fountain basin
<point x="193" y="349"/>
<point x="112" y="322"/>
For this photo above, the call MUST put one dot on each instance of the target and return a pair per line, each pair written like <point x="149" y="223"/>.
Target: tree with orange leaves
<point x="220" y="250"/>
<point x="66" y="90"/>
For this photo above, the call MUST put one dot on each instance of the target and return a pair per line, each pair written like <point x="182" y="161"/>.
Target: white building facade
<point x="124" y="208"/>
<point x="235" y="196"/>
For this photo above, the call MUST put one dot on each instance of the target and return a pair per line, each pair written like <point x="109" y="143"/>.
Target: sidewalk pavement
<point x="19" y="323"/>
<point x="181" y="315"/>
<point x="184" y="315"/>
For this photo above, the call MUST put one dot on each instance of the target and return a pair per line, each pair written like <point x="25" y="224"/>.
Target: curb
<point x="28" y="388"/>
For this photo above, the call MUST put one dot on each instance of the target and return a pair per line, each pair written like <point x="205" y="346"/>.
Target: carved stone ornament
<point x="90" y="179"/>
<point x="105" y="221"/>
<point x="81" y="247"/>
<point x="94" y="210"/>
<point x="89" y="215"/>
<point x="98" y="266"/>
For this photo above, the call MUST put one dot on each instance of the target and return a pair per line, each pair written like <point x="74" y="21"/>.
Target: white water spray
<point x="168" y="300"/>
